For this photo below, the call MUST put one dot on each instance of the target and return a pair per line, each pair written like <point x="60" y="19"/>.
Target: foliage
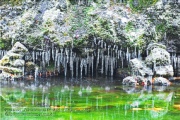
<point x="139" y="5"/>
<point x="161" y="28"/>
<point x="34" y="40"/>
<point x="129" y="26"/>
<point x="12" y="2"/>
<point x="5" y="44"/>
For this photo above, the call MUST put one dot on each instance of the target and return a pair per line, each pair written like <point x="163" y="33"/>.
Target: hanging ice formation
<point x="102" y="60"/>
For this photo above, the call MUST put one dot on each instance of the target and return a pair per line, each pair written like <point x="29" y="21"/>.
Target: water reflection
<point x="93" y="99"/>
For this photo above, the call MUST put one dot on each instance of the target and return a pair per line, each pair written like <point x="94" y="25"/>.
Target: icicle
<point x="92" y="44"/>
<point x="102" y="63"/>
<point x="175" y="60"/>
<point x="71" y="63"/>
<point x="122" y="61"/>
<point x="97" y="59"/>
<point x="118" y="54"/>
<point x="37" y="54"/>
<point x="52" y="50"/>
<point x="88" y="61"/>
<point x="108" y="49"/>
<point x="36" y="73"/>
<point x="65" y="66"/>
<point x="99" y="42"/>
<point x="67" y="54"/>
<point x="112" y="69"/>
<point x="77" y="66"/>
<point x="135" y="52"/>
<point x="165" y="36"/>
<point x="102" y="43"/>
<point x="43" y="59"/>
<point x="92" y="64"/>
<point x="116" y="51"/>
<point x="49" y="56"/>
<point x="95" y="40"/>
<point x="85" y="66"/>
<point x="106" y="64"/>
<point x="81" y="66"/>
<point x="58" y="62"/>
<point x="46" y="56"/>
<point x="127" y="54"/>
<point x="56" y="58"/>
<point x="33" y="55"/>
<point x="129" y="57"/>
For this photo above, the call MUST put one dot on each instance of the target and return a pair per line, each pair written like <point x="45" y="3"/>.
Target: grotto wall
<point x="91" y="32"/>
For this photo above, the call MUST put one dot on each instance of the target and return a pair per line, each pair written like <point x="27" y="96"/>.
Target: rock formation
<point x="157" y="63"/>
<point x="12" y="64"/>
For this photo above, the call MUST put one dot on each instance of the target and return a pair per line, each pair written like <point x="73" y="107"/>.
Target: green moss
<point x="139" y="5"/>
<point x="12" y="2"/>
<point x="161" y="28"/>
<point x="5" y="43"/>
<point x="129" y="26"/>
<point x="34" y="40"/>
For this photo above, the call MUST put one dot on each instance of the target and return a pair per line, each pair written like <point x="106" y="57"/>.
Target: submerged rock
<point x="129" y="81"/>
<point x="164" y="70"/>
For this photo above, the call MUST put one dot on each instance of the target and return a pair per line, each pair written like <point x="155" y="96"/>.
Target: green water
<point x="87" y="99"/>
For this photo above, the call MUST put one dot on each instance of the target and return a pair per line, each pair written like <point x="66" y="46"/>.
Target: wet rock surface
<point x="12" y="63"/>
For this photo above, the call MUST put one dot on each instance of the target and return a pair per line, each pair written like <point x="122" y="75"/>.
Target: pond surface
<point x="87" y="99"/>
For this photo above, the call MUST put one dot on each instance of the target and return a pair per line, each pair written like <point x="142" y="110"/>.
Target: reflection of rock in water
<point x="130" y="89"/>
<point x="160" y="88"/>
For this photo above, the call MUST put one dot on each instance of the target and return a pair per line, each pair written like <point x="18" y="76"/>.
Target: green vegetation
<point x="12" y="2"/>
<point x="129" y="26"/>
<point x="31" y="40"/>
<point x="139" y="5"/>
<point x="161" y="27"/>
<point x="5" y="44"/>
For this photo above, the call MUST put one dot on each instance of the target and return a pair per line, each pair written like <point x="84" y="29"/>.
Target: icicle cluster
<point x="102" y="60"/>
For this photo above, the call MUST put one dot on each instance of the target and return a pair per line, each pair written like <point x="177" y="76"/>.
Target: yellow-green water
<point x="87" y="99"/>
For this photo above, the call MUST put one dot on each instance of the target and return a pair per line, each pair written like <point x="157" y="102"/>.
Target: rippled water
<point x="87" y="99"/>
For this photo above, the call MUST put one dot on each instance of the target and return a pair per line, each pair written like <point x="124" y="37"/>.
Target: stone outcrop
<point x="159" y="60"/>
<point x="157" y="63"/>
<point x="12" y="64"/>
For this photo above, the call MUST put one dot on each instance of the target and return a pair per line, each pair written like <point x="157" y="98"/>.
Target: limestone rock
<point x="158" y="56"/>
<point x="164" y="70"/>
<point x="129" y="81"/>
<point x="19" y="48"/>
<point x="12" y="63"/>
<point x="18" y="63"/>
<point x="138" y="66"/>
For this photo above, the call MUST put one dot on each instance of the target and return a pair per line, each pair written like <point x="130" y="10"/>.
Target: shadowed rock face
<point x="12" y="63"/>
